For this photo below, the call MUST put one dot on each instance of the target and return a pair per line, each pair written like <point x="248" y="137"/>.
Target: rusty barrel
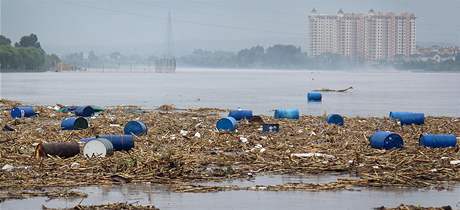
<point x="60" y="149"/>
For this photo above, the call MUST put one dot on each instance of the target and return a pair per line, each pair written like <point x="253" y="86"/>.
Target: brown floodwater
<point x="165" y="200"/>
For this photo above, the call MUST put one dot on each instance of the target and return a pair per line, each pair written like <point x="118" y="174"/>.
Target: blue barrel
<point x="287" y="114"/>
<point x="84" y="111"/>
<point x="88" y="139"/>
<point x="22" y="111"/>
<point x="226" y="124"/>
<point x="397" y="115"/>
<point x="240" y="114"/>
<point x="74" y="123"/>
<point x="335" y="119"/>
<point x="408" y="118"/>
<point x="386" y="140"/>
<point x="270" y="128"/>
<point x="314" y="97"/>
<point x="120" y="142"/>
<point x="438" y="140"/>
<point x="135" y="127"/>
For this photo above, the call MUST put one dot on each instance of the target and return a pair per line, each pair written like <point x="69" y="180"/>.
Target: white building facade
<point x="373" y="36"/>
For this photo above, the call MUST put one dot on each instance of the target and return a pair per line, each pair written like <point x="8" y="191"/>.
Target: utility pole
<point x="169" y="50"/>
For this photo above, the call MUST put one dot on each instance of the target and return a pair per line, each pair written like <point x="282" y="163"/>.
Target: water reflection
<point x="147" y="194"/>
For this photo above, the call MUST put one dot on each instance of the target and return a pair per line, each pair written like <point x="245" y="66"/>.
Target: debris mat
<point x="184" y="147"/>
<point x="124" y="206"/>
<point x="412" y="207"/>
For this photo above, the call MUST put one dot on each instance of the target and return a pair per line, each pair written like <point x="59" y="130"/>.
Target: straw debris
<point x="125" y="206"/>
<point x="50" y="194"/>
<point x="168" y="155"/>
<point x="412" y="207"/>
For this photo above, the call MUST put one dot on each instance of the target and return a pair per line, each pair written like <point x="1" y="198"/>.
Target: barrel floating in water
<point x="270" y="128"/>
<point x="335" y="119"/>
<point x="84" y="111"/>
<point x="74" y="123"/>
<point x="314" y="97"/>
<point x="226" y="124"/>
<point x="135" y="127"/>
<point x="240" y="114"/>
<point x="386" y="140"/>
<point x="287" y="114"/>
<point x="438" y="140"/>
<point x="98" y="148"/>
<point x="120" y="142"/>
<point x="408" y="118"/>
<point x="22" y="111"/>
<point x="60" y="149"/>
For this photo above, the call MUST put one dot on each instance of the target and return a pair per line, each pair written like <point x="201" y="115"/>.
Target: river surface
<point x="374" y="93"/>
<point x="158" y="196"/>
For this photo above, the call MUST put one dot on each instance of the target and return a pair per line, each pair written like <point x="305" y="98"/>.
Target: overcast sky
<point x="138" y="26"/>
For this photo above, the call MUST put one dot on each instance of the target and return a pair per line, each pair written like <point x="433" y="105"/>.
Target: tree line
<point x="291" y="57"/>
<point x="276" y="56"/>
<point x="25" y="55"/>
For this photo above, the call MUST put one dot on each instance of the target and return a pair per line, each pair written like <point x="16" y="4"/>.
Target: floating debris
<point x="167" y="107"/>
<point x="334" y="90"/>
<point x="412" y="207"/>
<point x="165" y="156"/>
<point x="106" y="207"/>
<point x="50" y="194"/>
<point x="8" y="128"/>
<point x="302" y="155"/>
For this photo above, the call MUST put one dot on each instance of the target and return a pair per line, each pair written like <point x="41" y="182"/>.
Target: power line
<point x="241" y="28"/>
<point x="277" y="19"/>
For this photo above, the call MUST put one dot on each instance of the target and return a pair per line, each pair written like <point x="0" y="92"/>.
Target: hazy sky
<point x="138" y="26"/>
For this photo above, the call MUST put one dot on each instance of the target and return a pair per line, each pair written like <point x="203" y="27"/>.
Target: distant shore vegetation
<point x="258" y="57"/>
<point x="25" y="55"/>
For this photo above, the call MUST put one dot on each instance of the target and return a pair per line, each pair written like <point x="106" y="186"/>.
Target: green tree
<point x="284" y="56"/>
<point x="32" y="58"/>
<point x="4" y="40"/>
<point x="252" y="57"/>
<point x="29" y="41"/>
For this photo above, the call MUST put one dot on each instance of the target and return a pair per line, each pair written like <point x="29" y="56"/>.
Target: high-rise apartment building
<point x="373" y="36"/>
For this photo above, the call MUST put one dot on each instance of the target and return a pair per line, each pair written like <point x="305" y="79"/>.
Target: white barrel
<point x="98" y="148"/>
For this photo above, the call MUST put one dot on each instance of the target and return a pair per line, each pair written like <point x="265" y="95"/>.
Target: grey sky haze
<point x="138" y="26"/>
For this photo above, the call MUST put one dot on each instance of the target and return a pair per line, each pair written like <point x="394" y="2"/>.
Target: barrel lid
<point x="95" y="148"/>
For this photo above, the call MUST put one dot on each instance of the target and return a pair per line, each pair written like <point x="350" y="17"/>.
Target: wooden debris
<point x="124" y="206"/>
<point x="50" y="194"/>
<point x="412" y="207"/>
<point x="333" y="90"/>
<point x="164" y="156"/>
